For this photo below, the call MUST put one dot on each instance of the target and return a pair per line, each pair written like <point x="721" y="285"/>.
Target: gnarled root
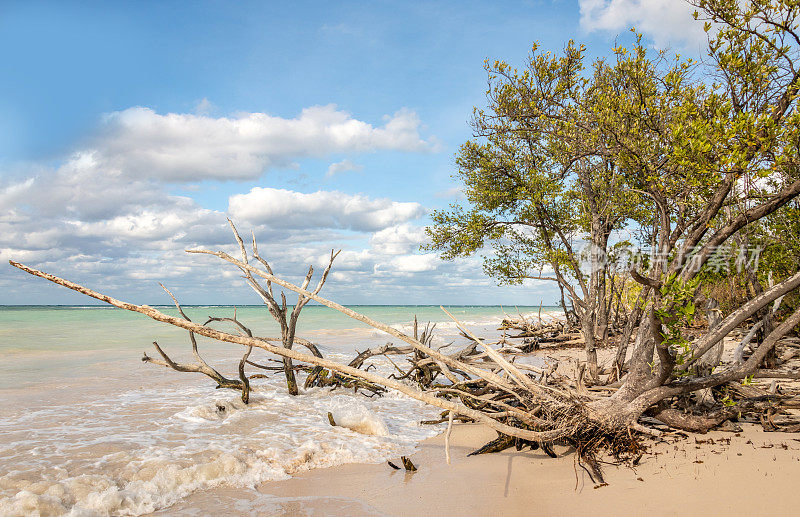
<point x="693" y="423"/>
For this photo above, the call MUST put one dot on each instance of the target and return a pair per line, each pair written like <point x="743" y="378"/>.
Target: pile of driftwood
<point x="554" y="333"/>
<point x="529" y="405"/>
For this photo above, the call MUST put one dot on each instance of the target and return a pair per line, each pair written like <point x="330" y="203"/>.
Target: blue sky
<point x="128" y="131"/>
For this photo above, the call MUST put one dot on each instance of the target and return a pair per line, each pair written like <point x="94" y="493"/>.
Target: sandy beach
<point x="748" y="472"/>
<point x="753" y="474"/>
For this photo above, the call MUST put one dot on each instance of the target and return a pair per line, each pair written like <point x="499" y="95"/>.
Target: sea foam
<point x="142" y="451"/>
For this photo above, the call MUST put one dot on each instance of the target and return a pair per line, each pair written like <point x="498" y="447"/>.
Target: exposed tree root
<point x="527" y="406"/>
<point x="694" y="423"/>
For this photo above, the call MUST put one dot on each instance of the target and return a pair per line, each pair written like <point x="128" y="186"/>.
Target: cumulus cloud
<point x="667" y="22"/>
<point x="181" y="147"/>
<point x="109" y="203"/>
<point x="343" y="166"/>
<point x="415" y="263"/>
<point x="105" y="229"/>
<point x="105" y="216"/>
<point x="136" y="234"/>
<point x="398" y="239"/>
<point x="321" y="209"/>
<point x="80" y="209"/>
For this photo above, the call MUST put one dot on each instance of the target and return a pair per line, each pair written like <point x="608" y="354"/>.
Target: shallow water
<point x="89" y="429"/>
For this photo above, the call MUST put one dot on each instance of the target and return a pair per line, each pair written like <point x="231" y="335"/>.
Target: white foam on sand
<point x="143" y="450"/>
<point x="354" y="415"/>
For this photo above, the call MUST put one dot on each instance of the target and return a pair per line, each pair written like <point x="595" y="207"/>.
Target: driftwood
<point x="286" y="320"/>
<point x="201" y="366"/>
<point x="527" y="406"/>
<point x="407" y="463"/>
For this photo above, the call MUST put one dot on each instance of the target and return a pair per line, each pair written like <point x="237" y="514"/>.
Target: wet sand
<point x="754" y="474"/>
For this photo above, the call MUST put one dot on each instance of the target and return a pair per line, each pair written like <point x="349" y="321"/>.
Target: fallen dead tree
<point x="527" y="406"/>
<point x="476" y="383"/>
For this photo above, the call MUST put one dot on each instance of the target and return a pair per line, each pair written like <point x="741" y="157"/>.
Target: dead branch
<point x="525" y="405"/>
<point x="539" y="436"/>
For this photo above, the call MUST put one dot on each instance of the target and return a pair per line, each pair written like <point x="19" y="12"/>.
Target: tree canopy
<point x="571" y="162"/>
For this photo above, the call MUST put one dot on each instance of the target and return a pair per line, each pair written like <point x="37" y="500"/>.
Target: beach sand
<point x="746" y="473"/>
<point x="755" y="474"/>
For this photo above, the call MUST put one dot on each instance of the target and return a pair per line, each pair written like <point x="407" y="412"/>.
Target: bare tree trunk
<point x="567" y="316"/>
<point x="586" y="319"/>
<point x="634" y="319"/>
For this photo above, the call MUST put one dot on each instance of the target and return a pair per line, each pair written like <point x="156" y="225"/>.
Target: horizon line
<point x="264" y="305"/>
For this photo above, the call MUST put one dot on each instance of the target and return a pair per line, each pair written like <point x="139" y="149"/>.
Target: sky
<point x="130" y="131"/>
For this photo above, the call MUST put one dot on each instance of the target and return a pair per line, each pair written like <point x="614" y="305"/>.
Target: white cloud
<point x="667" y="22"/>
<point x="80" y="189"/>
<point x="343" y="166"/>
<point x="106" y="218"/>
<point x="349" y="260"/>
<point x="80" y="209"/>
<point x="150" y="224"/>
<point x="321" y="209"/>
<point x="181" y="147"/>
<point x="415" y="263"/>
<point x="105" y="214"/>
<point x="397" y="240"/>
<point x="106" y="229"/>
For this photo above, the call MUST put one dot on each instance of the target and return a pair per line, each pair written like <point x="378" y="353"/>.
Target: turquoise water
<point x="47" y="343"/>
<point x="313" y="316"/>
<point x="68" y="328"/>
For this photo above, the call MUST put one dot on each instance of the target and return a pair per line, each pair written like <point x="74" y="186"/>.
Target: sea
<point x="87" y="428"/>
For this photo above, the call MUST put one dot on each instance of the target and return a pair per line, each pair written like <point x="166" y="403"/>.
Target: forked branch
<point x="428" y="398"/>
